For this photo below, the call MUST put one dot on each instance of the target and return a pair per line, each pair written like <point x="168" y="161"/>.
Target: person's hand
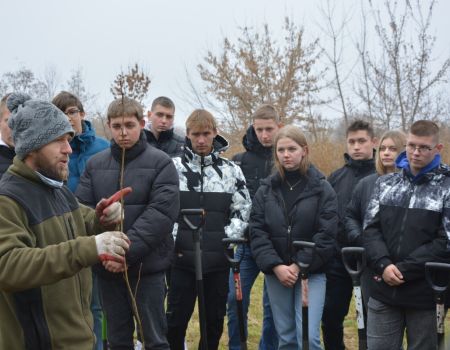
<point x="286" y="275"/>
<point x="392" y="276"/>
<point x="108" y="214"/>
<point x="112" y="245"/>
<point x="113" y="266"/>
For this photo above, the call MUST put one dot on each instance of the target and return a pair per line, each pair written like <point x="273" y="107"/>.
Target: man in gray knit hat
<point x="46" y="245"/>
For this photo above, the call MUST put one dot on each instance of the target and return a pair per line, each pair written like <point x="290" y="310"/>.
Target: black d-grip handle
<point x="193" y="212"/>
<point x="358" y="253"/>
<point x="226" y="243"/>
<point x="431" y="267"/>
<point x="304" y="245"/>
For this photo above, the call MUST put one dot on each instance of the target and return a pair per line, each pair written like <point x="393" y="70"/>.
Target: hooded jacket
<point x="168" y="141"/>
<point x="256" y="163"/>
<point x="407" y="224"/>
<point x="150" y="210"/>
<point x="45" y="285"/>
<point x="313" y="218"/>
<point x="84" y="146"/>
<point x="217" y="185"/>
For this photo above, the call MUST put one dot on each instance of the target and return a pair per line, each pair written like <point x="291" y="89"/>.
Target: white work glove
<point x="112" y="245"/>
<point x="108" y="215"/>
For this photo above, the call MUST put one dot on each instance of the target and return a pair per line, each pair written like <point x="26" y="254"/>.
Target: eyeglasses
<point x="72" y="112"/>
<point x="411" y="147"/>
<point x="389" y="148"/>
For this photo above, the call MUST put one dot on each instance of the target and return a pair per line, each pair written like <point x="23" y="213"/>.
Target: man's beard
<point x="54" y="172"/>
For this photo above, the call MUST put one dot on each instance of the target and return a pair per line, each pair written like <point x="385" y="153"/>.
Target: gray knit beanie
<point x="34" y="123"/>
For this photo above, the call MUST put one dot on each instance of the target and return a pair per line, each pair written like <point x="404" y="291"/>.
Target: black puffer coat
<point x="169" y="142"/>
<point x="256" y="163"/>
<point x="150" y="210"/>
<point x="313" y="218"/>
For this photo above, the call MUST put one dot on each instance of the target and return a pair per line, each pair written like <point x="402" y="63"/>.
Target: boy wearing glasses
<point x="161" y="134"/>
<point x="85" y="143"/>
<point x="407" y="224"/>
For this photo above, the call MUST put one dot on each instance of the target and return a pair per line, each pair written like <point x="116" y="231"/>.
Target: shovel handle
<point x="305" y="245"/>
<point x="435" y="266"/>
<point x="193" y="212"/>
<point x="226" y="243"/>
<point x="360" y="254"/>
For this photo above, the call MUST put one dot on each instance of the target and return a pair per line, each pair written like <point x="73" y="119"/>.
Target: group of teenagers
<point x="392" y="197"/>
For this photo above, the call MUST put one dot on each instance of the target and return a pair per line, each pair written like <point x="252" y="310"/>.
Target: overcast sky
<point x="165" y="37"/>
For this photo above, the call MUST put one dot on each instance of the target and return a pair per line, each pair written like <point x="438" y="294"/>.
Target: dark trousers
<point x="337" y="302"/>
<point x="118" y="312"/>
<point x="181" y="301"/>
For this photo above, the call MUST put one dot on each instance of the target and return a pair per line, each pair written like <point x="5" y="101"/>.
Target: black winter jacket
<point x="6" y="158"/>
<point x="168" y="142"/>
<point x="256" y="163"/>
<point x="356" y="210"/>
<point x="407" y="224"/>
<point x="150" y="210"/>
<point x="217" y="185"/>
<point x="313" y="218"/>
<point x="343" y="182"/>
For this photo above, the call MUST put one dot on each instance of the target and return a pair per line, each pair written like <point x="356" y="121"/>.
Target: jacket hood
<point x="429" y="170"/>
<point x="251" y="143"/>
<point x="82" y="141"/>
<point x="220" y="145"/>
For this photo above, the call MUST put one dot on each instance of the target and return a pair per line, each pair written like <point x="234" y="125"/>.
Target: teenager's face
<point x="265" y="130"/>
<point x="202" y="140"/>
<point x="75" y="118"/>
<point x="420" y="151"/>
<point x="5" y="131"/>
<point x="360" y="145"/>
<point x="161" y="118"/>
<point x="388" y="152"/>
<point x="290" y="153"/>
<point x="126" y="130"/>
<point x="52" y="160"/>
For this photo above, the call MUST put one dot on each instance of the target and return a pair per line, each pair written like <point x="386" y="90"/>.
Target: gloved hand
<point x="108" y="214"/>
<point x="112" y="245"/>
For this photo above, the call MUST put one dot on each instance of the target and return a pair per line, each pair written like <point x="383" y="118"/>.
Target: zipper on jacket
<point x="289" y="222"/>
<point x="202" y="166"/>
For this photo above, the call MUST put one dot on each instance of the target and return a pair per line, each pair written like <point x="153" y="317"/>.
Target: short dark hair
<point x="163" y="101"/>
<point x="125" y="107"/>
<point x="65" y="100"/>
<point x="425" y="128"/>
<point x="359" y="124"/>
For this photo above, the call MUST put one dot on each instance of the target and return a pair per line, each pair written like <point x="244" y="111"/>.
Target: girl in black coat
<point x="296" y="203"/>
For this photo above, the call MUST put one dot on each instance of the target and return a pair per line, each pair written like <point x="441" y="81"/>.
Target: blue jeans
<point x="249" y="273"/>
<point x="287" y="311"/>
<point x="96" y="309"/>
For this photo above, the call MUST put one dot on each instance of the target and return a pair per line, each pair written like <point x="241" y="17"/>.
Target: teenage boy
<point x="216" y="185"/>
<point x="359" y="163"/>
<point x="407" y="225"/>
<point x="256" y="164"/>
<point x="150" y="212"/>
<point x="7" y="152"/>
<point x="161" y="134"/>
<point x="84" y="144"/>
<point x="45" y="285"/>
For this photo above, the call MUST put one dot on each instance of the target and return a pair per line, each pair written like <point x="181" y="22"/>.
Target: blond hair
<point x="399" y="139"/>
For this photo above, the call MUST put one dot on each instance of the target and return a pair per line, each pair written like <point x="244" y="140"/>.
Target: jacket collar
<point x="81" y="142"/>
<point x="220" y="145"/>
<point x="427" y="172"/>
<point x="251" y="143"/>
<point x="359" y="164"/>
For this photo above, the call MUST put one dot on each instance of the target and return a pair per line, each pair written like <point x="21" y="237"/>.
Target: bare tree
<point x="134" y="84"/>
<point x="24" y="80"/>
<point x="75" y="84"/>
<point x="50" y="82"/>
<point x="403" y="83"/>
<point x="256" y="69"/>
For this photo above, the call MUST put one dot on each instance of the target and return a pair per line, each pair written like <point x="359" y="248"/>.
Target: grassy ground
<point x="255" y="317"/>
